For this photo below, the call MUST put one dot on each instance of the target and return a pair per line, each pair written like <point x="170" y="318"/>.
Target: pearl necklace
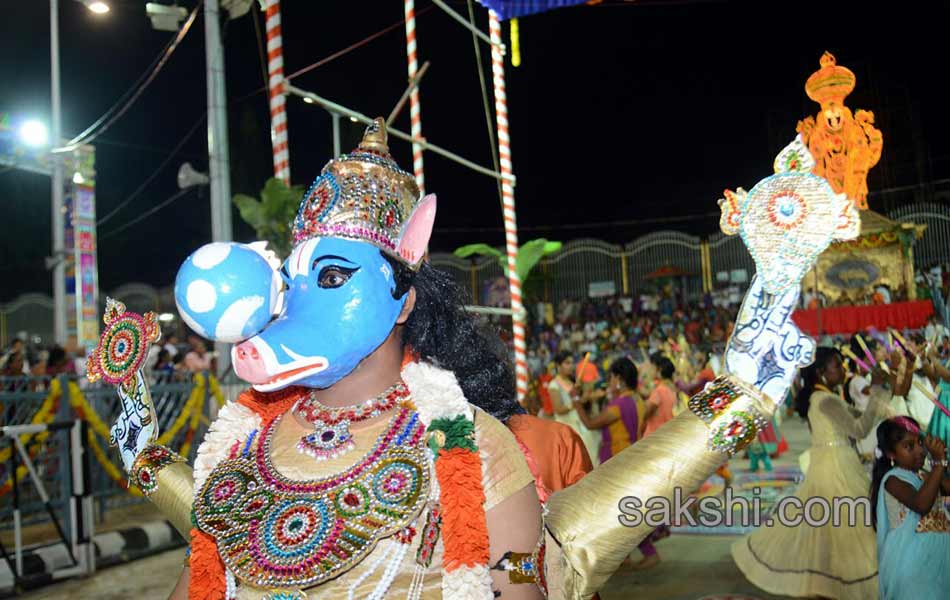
<point x="331" y="436"/>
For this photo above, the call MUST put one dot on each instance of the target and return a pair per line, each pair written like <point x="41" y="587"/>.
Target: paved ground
<point x="149" y="578"/>
<point x="692" y="567"/>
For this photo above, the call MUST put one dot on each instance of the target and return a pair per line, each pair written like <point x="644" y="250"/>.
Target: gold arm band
<point x="167" y="480"/>
<point x="586" y="519"/>
<point x="173" y="497"/>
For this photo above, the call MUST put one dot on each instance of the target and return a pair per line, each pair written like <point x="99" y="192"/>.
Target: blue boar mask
<point x="338" y="308"/>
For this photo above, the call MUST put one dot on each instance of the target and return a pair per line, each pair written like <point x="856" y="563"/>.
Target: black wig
<point x="441" y="331"/>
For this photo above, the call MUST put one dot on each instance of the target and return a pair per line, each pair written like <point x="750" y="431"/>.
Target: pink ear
<point x="416" y="232"/>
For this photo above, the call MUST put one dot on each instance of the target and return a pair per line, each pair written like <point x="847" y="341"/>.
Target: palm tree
<point x="272" y="215"/>
<point x="528" y="255"/>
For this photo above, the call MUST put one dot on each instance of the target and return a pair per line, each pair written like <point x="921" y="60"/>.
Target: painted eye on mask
<point x="333" y="276"/>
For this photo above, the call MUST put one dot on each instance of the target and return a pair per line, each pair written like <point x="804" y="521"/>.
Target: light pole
<point x="59" y="230"/>
<point x="57" y="208"/>
<point x="217" y="127"/>
<point x="218" y="159"/>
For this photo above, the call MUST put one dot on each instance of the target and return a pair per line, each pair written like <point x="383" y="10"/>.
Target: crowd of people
<point x="613" y="370"/>
<point x="614" y="373"/>
<point x="37" y="363"/>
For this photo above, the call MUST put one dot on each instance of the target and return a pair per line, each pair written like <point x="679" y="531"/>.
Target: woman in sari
<point x="619" y="425"/>
<point x="563" y="392"/>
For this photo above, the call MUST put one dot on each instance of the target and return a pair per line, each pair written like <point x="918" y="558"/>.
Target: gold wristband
<point x="734" y="412"/>
<point x="148" y="464"/>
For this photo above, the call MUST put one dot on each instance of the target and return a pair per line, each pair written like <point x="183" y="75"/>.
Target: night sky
<point x="625" y="117"/>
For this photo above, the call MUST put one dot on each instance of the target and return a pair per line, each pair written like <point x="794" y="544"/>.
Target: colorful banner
<point x="85" y="270"/>
<point x="82" y="273"/>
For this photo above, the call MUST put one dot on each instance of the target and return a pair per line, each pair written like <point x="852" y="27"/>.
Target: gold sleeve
<point x="590" y="520"/>
<point x="167" y="480"/>
<point x="504" y="469"/>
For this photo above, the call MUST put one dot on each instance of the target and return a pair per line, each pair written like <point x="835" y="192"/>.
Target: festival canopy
<point x="511" y="9"/>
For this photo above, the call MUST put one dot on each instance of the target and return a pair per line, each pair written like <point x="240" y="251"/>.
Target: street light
<point x="33" y="133"/>
<point x="96" y="6"/>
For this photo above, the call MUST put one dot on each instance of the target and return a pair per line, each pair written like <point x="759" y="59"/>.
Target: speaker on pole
<point x="189" y="177"/>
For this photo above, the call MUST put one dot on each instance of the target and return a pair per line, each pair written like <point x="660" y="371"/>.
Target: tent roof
<point x="874" y="222"/>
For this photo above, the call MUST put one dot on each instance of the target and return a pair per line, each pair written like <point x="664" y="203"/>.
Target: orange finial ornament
<point x="844" y="146"/>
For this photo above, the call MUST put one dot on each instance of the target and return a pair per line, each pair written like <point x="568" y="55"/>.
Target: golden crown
<point x="830" y="83"/>
<point x="363" y="195"/>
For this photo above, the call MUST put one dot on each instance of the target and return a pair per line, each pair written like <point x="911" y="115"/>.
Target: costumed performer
<point x="939" y="425"/>
<point x="829" y="561"/>
<point x="342" y="473"/>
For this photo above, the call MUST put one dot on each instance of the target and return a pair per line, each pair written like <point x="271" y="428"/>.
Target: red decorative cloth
<point x="854" y="319"/>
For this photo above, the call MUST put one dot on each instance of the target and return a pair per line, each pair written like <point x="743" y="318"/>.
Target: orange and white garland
<point x="449" y="417"/>
<point x="450" y="420"/>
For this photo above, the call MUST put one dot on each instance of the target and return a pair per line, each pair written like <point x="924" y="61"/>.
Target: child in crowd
<point x="913" y="528"/>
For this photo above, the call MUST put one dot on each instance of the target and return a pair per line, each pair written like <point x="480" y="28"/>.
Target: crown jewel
<point x="363" y="195"/>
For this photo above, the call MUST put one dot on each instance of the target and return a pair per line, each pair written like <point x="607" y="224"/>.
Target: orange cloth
<point x="590" y="373"/>
<point x="557" y="450"/>
<point x="545" y="395"/>
<point x="664" y="399"/>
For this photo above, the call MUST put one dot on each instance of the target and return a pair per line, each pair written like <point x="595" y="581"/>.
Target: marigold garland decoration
<point x="464" y="526"/>
<point x="207" y="581"/>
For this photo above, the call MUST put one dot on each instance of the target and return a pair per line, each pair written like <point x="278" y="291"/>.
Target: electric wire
<point x="260" y="42"/>
<point x="485" y="103"/>
<point x="191" y="131"/>
<point x="338" y="54"/>
<point x="155" y="173"/>
<point x="104" y="122"/>
<point x="146" y="214"/>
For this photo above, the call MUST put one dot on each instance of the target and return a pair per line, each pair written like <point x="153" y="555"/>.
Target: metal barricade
<point x="73" y="520"/>
<point x="183" y="404"/>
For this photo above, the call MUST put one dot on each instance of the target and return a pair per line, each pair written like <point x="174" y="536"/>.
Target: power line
<point x="595" y="225"/>
<point x="155" y="173"/>
<point x="358" y="44"/>
<point x="142" y="147"/>
<point x="146" y="214"/>
<point x="260" y="44"/>
<point x="105" y="121"/>
<point x="485" y="105"/>
<point x="191" y="131"/>
<point x="338" y="54"/>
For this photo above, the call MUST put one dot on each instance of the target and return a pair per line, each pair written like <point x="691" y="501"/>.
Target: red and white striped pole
<point x="278" y="101"/>
<point x="508" y="204"/>
<point x="415" y="111"/>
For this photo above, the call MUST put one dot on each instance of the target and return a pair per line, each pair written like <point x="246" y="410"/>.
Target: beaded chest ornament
<point x="275" y="532"/>
<point x="331" y="436"/>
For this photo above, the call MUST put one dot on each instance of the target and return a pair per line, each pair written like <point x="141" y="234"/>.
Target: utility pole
<point x="58" y="218"/>
<point x="219" y="167"/>
<point x="219" y="164"/>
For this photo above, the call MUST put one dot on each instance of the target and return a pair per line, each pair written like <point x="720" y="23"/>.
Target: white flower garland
<point x="235" y="423"/>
